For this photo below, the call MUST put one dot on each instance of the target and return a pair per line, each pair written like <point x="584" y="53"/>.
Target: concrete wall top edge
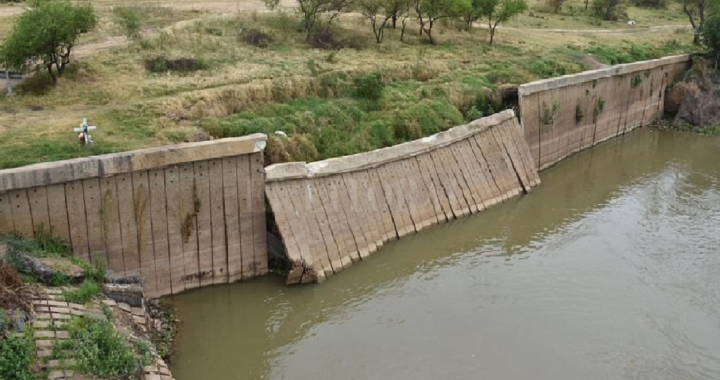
<point x="585" y="76"/>
<point x="50" y="173"/>
<point x="361" y="161"/>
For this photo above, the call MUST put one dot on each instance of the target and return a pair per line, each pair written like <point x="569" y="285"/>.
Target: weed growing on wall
<point x="579" y="114"/>
<point x="599" y="107"/>
<point x="635" y="81"/>
<point x="550" y="113"/>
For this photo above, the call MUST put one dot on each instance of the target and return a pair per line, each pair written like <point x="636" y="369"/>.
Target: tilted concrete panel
<point x="335" y="213"/>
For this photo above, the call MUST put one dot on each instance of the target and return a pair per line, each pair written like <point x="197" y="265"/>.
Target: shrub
<point x="17" y="353"/>
<point x="161" y="64"/>
<point x="656" y="4"/>
<point x="369" y="86"/>
<point x="84" y="293"/>
<point x="100" y="351"/>
<point x="255" y="37"/>
<point x="473" y="113"/>
<point x="129" y="19"/>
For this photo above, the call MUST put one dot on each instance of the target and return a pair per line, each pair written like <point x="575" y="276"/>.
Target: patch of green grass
<point x="102" y="352"/>
<point x="17" y="355"/>
<point x="712" y="131"/>
<point x="84" y="293"/>
<point x="547" y="68"/>
<point x="628" y="53"/>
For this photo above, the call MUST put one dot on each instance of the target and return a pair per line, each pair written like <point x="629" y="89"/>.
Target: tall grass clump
<point x="17" y="354"/>
<point x="100" y="351"/>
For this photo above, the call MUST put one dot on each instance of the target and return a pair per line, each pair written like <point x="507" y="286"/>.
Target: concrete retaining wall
<point x="563" y="115"/>
<point x="185" y="216"/>
<point x="336" y="212"/>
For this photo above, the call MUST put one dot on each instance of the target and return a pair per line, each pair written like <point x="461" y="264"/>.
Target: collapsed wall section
<point x="563" y="115"/>
<point x="334" y="213"/>
<point x="184" y="216"/>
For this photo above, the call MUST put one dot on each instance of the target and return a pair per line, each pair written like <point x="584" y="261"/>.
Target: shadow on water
<point x="257" y="330"/>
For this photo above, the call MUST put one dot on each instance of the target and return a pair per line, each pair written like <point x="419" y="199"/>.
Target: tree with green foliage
<point x="610" y="10"/>
<point x="47" y="32"/>
<point x="695" y="11"/>
<point x="428" y="12"/>
<point x="499" y="11"/>
<point x="711" y="37"/>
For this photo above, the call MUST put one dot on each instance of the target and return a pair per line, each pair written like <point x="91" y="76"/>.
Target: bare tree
<point x="695" y="11"/>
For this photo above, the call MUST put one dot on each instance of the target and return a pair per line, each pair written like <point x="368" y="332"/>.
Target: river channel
<point x="608" y="270"/>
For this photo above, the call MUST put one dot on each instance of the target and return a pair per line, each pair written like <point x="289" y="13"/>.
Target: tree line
<point x="384" y="14"/>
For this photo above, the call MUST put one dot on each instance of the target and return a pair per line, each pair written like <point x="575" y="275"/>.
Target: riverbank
<point x="62" y="318"/>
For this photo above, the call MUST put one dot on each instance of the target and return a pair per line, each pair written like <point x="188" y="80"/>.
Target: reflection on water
<point x="609" y="270"/>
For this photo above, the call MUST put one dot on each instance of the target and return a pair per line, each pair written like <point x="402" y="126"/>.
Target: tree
<point x="429" y="11"/>
<point x="311" y="10"/>
<point x="375" y="11"/>
<point x="47" y="32"/>
<point x="397" y="9"/>
<point x="711" y="37"/>
<point x="610" y="10"/>
<point x="474" y="14"/>
<point x="695" y="11"/>
<point x="499" y="11"/>
<point x="380" y="12"/>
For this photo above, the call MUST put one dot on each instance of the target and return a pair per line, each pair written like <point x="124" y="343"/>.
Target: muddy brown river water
<point x="609" y="270"/>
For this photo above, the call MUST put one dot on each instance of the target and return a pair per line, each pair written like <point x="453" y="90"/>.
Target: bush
<point x="102" y="352"/>
<point x="326" y="40"/>
<point x="369" y="86"/>
<point x="610" y="10"/>
<point x="161" y="64"/>
<point x="84" y="293"/>
<point x="255" y="37"/>
<point x="655" y="4"/>
<point x="16" y="357"/>
<point x="129" y="19"/>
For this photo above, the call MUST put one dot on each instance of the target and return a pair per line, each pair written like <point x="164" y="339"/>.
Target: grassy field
<point x="310" y="94"/>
